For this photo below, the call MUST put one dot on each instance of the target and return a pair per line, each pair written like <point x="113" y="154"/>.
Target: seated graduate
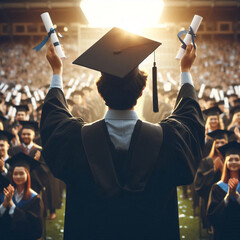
<point x="20" y="207"/>
<point x="213" y="122"/>
<point x="224" y="199"/>
<point x="210" y="171"/>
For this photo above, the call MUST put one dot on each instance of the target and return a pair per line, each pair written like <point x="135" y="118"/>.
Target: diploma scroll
<point x="188" y="38"/>
<point x="53" y="36"/>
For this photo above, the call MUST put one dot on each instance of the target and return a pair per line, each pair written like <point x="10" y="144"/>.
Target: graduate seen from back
<point x="121" y="173"/>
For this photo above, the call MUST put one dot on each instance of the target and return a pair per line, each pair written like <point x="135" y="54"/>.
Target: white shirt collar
<point x="28" y="146"/>
<point x="121" y="115"/>
<point x="18" y="196"/>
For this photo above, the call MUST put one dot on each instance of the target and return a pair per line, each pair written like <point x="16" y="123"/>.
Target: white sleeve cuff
<point x="56" y="82"/>
<point x="226" y="201"/>
<point x="12" y="209"/>
<point x="186" y="77"/>
<point x="5" y="172"/>
<point x="2" y="210"/>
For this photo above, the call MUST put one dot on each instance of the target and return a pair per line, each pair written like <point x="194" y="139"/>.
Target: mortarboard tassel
<point x="154" y="86"/>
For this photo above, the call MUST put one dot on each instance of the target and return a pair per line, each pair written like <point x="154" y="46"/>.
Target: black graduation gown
<point x="203" y="181"/>
<point x="151" y="213"/>
<point x="225" y="219"/>
<point x="26" y="221"/>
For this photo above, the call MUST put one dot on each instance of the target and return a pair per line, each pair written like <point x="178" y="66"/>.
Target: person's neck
<point x="20" y="188"/>
<point x="234" y="174"/>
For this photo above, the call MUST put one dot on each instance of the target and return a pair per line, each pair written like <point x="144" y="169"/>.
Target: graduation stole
<point x="224" y="187"/>
<point x="24" y="202"/>
<point x="21" y="203"/>
<point x="144" y="157"/>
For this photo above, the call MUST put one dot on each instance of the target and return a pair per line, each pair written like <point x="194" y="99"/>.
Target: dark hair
<point x="122" y="93"/>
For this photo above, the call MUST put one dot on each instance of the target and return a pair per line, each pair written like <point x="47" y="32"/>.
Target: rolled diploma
<point x="8" y="97"/>
<point x="201" y="91"/>
<point x="48" y="25"/>
<point x="34" y="104"/>
<point x="188" y="38"/>
<point x="35" y="93"/>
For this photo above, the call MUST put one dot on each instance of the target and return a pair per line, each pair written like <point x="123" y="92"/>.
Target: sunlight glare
<point x="131" y="15"/>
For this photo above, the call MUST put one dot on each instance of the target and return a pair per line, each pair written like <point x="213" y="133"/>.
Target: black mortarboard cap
<point x="237" y="101"/>
<point x="212" y="111"/>
<point x="70" y="102"/>
<point x="4" y="182"/>
<point x="220" y="134"/>
<point x="23" y="160"/>
<point x="39" y="108"/>
<point x="221" y="102"/>
<point x="235" y="109"/>
<point x="29" y="125"/>
<point x="86" y="88"/>
<point x="232" y="147"/>
<point x="22" y="108"/>
<point x="118" y="53"/>
<point x="78" y="92"/>
<point x="7" y="136"/>
<point x="2" y="118"/>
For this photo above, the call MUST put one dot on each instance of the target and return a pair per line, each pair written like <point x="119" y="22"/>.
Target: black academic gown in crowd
<point x="203" y="181"/>
<point x="225" y="219"/>
<point x="207" y="147"/>
<point x="107" y="200"/>
<point x="26" y="221"/>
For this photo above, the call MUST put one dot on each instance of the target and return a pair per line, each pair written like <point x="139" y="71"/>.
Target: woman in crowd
<point x="20" y="207"/>
<point x="224" y="199"/>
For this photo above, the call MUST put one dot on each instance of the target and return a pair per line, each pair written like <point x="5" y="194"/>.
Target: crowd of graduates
<point x="29" y="193"/>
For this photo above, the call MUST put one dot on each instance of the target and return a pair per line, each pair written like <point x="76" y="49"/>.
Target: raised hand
<point x="232" y="184"/>
<point x="54" y="60"/>
<point x="8" y="192"/>
<point x="37" y="155"/>
<point x="237" y="133"/>
<point x="188" y="58"/>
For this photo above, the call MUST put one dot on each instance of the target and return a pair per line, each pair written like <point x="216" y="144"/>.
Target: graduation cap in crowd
<point x="22" y="108"/>
<point x="118" y="53"/>
<point x="78" y="92"/>
<point x="221" y="102"/>
<point x="213" y="111"/>
<point x="87" y="89"/>
<point x="70" y="102"/>
<point x="29" y="125"/>
<point x="23" y="160"/>
<point x="232" y="147"/>
<point x="6" y="136"/>
<point x="235" y="109"/>
<point x="4" y="182"/>
<point x="220" y="134"/>
<point x="237" y="101"/>
<point x="2" y="118"/>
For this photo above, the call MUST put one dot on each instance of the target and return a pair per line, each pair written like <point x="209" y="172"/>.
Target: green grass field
<point x="188" y="224"/>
